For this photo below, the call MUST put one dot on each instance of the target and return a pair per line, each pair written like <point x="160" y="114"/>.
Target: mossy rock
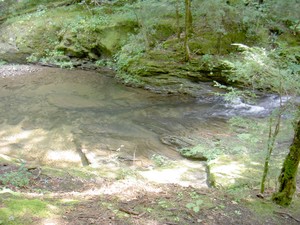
<point x="190" y="153"/>
<point x="157" y="64"/>
<point x="25" y="35"/>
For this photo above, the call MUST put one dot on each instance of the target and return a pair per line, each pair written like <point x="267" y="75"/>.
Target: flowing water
<point x="71" y="116"/>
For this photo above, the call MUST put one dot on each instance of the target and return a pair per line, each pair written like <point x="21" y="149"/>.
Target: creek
<point x="52" y="115"/>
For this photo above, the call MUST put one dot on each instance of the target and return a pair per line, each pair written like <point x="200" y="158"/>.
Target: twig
<point x="83" y="217"/>
<point x="129" y="211"/>
<point x="139" y="216"/>
<point x="287" y="214"/>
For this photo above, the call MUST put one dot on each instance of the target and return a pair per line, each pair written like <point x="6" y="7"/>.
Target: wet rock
<point x="178" y="142"/>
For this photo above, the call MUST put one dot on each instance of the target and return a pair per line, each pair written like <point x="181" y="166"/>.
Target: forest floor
<point x="61" y="198"/>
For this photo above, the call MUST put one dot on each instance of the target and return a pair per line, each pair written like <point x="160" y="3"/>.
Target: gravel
<point x="17" y="70"/>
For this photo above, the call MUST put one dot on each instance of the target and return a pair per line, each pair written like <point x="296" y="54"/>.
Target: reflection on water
<point x="55" y="114"/>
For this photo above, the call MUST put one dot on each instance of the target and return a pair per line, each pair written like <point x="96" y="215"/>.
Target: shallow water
<point x="53" y="115"/>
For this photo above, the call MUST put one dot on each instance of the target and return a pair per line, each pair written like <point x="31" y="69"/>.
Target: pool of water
<point x="72" y="116"/>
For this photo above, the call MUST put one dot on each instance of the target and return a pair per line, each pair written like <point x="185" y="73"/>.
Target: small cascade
<point x="238" y="107"/>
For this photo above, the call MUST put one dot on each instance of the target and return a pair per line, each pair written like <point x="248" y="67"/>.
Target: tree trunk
<point x="287" y="177"/>
<point x="271" y="144"/>
<point x="188" y="17"/>
<point x="177" y="19"/>
<point x="188" y="29"/>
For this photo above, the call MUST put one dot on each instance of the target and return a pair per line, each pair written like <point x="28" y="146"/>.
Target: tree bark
<point x="287" y="177"/>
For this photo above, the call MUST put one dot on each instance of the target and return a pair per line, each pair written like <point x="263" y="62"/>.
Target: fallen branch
<point x="287" y="214"/>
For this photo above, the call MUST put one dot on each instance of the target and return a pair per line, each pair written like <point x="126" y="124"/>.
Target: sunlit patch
<point x="68" y="200"/>
<point x="5" y="157"/>
<point x="129" y="189"/>
<point x="51" y="221"/>
<point x="5" y="150"/>
<point x="186" y="173"/>
<point x="126" y="190"/>
<point x="255" y="163"/>
<point x="231" y="169"/>
<point x="228" y="173"/>
<point x="18" y="136"/>
<point x="52" y="207"/>
<point x="164" y="176"/>
<point x="63" y="155"/>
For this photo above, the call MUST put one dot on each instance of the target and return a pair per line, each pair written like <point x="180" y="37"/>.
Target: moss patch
<point x="18" y="210"/>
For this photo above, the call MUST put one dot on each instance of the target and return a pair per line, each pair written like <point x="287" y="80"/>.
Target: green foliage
<point x="2" y="62"/>
<point x="287" y="11"/>
<point x="129" y="79"/>
<point x="263" y="69"/>
<point x="22" y="7"/>
<point x="195" y="206"/>
<point x="19" y="178"/>
<point x="53" y="57"/>
<point x="160" y="160"/>
<point x="151" y="17"/>
<point x="86" y="23"/>
<point x="196" y="203"/>
<point x="268" y="70"/>
<point x="233" y="93"/>
<point x="104" y="63"/>
<point x="130" y="52"/>
<point x="218" y="10"/>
